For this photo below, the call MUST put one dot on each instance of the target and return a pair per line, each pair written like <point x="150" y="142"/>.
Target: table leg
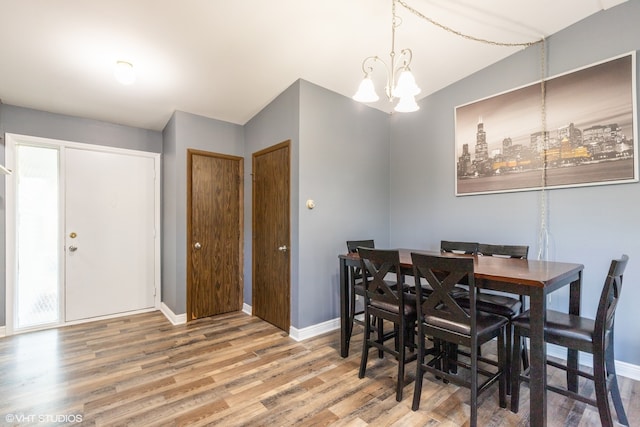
<point x="344" y="308"/>
<point x="573" y="355"/>
<point x="538" y="359"/>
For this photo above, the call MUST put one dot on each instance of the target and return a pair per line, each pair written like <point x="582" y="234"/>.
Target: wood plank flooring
<point x="232" y="370"/>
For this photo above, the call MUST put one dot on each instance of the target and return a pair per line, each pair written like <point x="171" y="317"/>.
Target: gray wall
<point x="344" y="168"/>
<point x="588" y="225"/>
<point x="55" y="126"/>
<point x="184" y="131"/>
<point x="339" y="158"/>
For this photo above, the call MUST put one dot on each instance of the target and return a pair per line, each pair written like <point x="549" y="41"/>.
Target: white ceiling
<point x="227" y="59"/>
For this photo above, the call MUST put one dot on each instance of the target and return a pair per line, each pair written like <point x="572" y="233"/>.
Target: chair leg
<point x="503" y="367"/>
<point x="522" y="344"/>
<point x="365" y="344"/>
<point x="613" y="385"/>
<point x="510" y="360"/>
<point x="417" y="390"/>
<point x="473" y="400"/>
<point x="380" y="337"/>
<point x="602" y="397"/>
<point x="352" y="310"/>
<point x="396" y="338"/>
<point x="524" y="354"/>
<point x="401" y="358"/>
<point x="451" y="361"/>
<point x="411" y="336"/>
<point x="515" y="372"/>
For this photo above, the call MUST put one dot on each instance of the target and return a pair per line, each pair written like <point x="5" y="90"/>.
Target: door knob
<point x="282" y="248"/>
<point x="72" y="248"/>
<point x="197" y="245"/>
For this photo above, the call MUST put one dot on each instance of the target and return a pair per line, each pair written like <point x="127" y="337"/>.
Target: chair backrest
<point x="352" y="245"/>
<point x="469" y="248"/>
<point x="443" y="274"/>
<point x="506" y="251"/>
<point x="376" y="264"/>
<point x="609" y="300"/>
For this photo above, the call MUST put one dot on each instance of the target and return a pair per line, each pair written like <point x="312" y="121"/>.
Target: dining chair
<point x="387" y="300"/>
<point x="355" y="283"/>
<point x="439" y="316"/>
<point x="504" y="305"/>
<point x="462" y="248"/>
<point x="593" y="336"/>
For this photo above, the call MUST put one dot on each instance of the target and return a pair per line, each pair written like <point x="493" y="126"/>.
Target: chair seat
<point x="493" y="303"/>
<point x="486" y="323"/>
<point x="409" y="305"/>
<point x="561" y="327"/>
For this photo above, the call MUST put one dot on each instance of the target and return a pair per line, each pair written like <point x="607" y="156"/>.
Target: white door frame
<point x="11" y="141"/>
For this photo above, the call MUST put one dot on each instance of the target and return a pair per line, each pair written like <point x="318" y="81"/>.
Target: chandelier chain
<point x="466" y="36"/>
<point x="543" y="235"/>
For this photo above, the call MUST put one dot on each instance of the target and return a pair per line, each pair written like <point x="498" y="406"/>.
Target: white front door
<point x="109" y="233"/>
<point x="102" y="248"/>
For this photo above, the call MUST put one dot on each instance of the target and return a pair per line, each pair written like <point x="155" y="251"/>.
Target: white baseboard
<point x="314" y="330"/>
<point x="175" y="319"/>
<point x="181" y="319"/>
<point x="304" y="333"/>
<point x="3" y="331"/>
<point x="246" y="308"/>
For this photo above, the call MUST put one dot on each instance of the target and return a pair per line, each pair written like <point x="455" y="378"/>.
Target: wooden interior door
<point x="215" y="234"/>
<point x="271" y="254"/>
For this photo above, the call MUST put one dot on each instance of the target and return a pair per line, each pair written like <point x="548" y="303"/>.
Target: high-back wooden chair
<point x="587" y="335"/>
<point x="386" y="300"/>
<point x="505" y="305"/>
<point x="439" y="316"/>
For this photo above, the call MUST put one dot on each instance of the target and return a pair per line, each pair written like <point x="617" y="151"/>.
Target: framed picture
<point x="584" y="133"/>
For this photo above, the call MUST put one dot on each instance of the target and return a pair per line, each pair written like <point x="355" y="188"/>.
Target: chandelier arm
<point x="367" y="69"/>
<point x="406" y="52"/>
<point x="466" y="36"/>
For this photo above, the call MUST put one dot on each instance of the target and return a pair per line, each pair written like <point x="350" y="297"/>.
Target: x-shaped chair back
<point x="443" y="274"/>
<point x="376" y="264"/>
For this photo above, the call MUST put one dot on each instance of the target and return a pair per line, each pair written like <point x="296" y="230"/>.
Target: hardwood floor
<point x="231" y="370"/>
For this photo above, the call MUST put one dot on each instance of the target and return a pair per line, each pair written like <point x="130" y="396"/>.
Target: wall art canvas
<point x="584" y="133"/>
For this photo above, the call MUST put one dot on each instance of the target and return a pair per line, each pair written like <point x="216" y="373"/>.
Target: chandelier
<point x="405" y="89"/>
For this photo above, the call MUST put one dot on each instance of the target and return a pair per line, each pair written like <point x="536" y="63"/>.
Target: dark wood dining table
<point x="533" y="278"/>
